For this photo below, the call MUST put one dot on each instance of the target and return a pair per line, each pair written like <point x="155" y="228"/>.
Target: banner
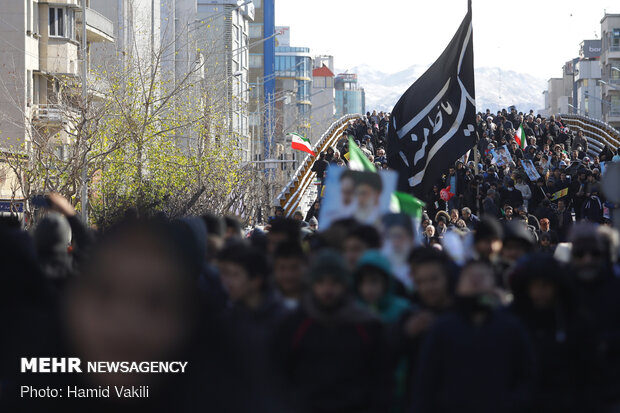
<point x="433" y="123"/>
<point x="530" y="169"/>
<point x="501" y="156"/>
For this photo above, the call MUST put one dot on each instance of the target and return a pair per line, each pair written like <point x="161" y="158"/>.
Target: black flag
<point x="433" y="123"/>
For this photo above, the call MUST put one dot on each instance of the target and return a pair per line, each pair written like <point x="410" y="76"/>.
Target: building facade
<point x="137" y="33"/>
<point x="350" y="98"/>
<point x="323" y="99"/>
<point x="587" y="77"/>
<point x="293" y="86"/>
<point x="262" y="82"/>
<point x="610" y="68"/>
<point x="223" y="47"/>
<point x="41" y="76"/>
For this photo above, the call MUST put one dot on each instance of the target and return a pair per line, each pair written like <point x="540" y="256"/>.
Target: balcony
<point x="48" y="115"/>
<point x="99" y="29"/>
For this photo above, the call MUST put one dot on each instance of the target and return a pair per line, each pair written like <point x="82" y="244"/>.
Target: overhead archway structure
<point x="291" y="196"/>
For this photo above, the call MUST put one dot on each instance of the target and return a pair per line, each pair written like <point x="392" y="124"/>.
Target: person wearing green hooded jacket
<point x="374" y="284"/>
<point x="374" y="288"/>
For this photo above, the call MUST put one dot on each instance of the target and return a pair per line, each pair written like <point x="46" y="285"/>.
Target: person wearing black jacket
<point x="435" y="203"/>
<point x="320" y="166"/>
<point x="489" y="206"/>
<point x="564" y="221"/>
<point x="567" y="363"/>
<point x="331" y="351"/>
<point x="434" y="279"/>
<point x="606" y="154"/>
<point x="598" y="289"/>
<point x="538" y="194"/>
<point x="511" y="196"/>
<point x="478" y="358"/>
<point x="251" y="319"/>
<point x="313" y="212"/>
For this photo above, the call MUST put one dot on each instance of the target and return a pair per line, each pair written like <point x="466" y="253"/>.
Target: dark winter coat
<point x="564" y="343"/>
<point x="334" y="363"/>
<point x="468" y="368"/>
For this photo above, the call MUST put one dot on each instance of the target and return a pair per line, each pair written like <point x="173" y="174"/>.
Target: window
<point x="35" y="92"/>
<point x="29" y="16"/>
<point x="256" y="31"/>
<point x="35" y="19"/>
<point x="615" y="39"/>
<point x="585" y="82"/>
<point x="57" y="22"/>
<point x="615" y="105"/>
<point x="254" y="119"/>
<point x="28" y="87"/>
<point x="319" y="82"/>
<point x="614" y="74"/>
<point x="258" y="3"/>
<point x="71" y="24"/>
<point x="256" y="61"/>
<point x="62" y="22"/>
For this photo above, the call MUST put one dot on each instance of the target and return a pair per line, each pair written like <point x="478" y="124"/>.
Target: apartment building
<point x="610" y="68"/>
<point x="40" y="74"/>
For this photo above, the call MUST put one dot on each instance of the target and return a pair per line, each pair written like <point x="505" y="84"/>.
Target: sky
<point x="527" y="36"/>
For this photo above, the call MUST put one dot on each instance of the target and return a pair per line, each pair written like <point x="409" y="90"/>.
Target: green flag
<point x="406" y="204"/>
<point x="357" y="160"/>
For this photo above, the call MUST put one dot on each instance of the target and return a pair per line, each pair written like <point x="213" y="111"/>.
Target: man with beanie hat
<point x="331" y="350"/>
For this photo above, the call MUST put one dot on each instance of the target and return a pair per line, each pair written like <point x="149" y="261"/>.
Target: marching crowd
<point x="482" y="308"/>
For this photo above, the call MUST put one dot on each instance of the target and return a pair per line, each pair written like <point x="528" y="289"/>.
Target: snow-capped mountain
<point x="495" y="88"/>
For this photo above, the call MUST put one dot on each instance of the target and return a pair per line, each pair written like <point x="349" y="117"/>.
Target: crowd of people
<point x="497" y="300"/>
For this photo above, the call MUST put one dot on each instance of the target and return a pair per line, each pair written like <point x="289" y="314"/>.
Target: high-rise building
<point x="41" y="72"/>
<point x="262" y="78"/>
<point x="223" y="46"/>
<point x="323" y="100"/>
<point x="350" y="98"/>
<point x="137" y="31"/>
<point x="610" y="68"/>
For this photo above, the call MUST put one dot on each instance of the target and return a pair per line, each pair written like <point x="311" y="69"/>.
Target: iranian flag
<point x="301" y="144"/>
<point x="520" y="137"/>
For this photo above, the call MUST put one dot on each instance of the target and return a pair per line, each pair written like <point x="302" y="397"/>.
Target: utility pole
<point x="84" y="196"/>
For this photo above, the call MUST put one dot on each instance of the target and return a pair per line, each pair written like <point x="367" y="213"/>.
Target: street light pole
<point x="608" y="85"/>
<point x="84" y="120"/>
